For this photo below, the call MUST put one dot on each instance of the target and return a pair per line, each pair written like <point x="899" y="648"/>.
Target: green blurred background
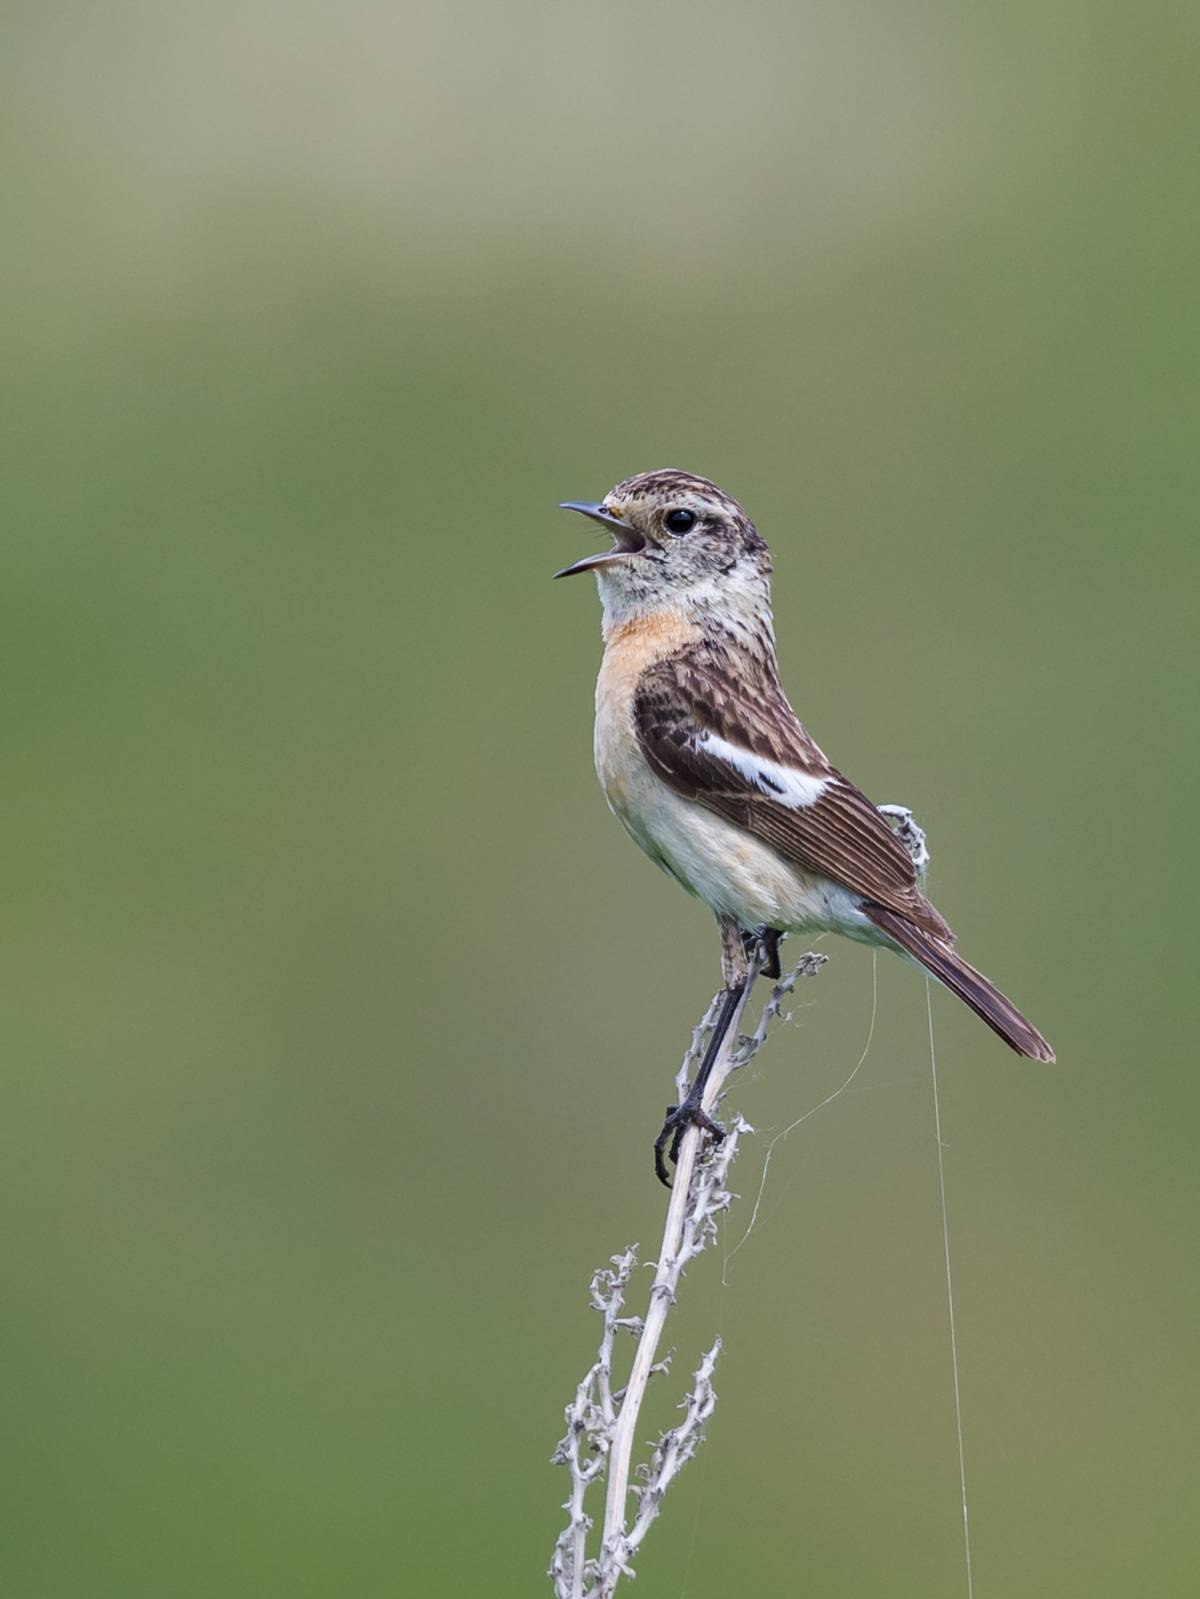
<point x="339" y="1013"/>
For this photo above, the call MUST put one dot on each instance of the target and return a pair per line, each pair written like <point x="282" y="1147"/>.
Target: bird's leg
<point x="691" y="1113"/>
<point x="736" y="949"/>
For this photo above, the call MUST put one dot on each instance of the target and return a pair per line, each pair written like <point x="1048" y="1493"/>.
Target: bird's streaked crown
<point x="679" y="540"/>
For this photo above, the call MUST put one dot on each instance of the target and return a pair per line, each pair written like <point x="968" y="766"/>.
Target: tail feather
<point x="972" y="987"/>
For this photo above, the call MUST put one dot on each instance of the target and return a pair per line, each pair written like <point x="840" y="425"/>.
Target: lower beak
<point x="629" y="541"/>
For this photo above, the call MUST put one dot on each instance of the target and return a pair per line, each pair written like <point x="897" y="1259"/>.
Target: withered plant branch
<point x="602" y="1422"/>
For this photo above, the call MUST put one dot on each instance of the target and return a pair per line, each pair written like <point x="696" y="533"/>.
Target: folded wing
<point x="730" y="741"/>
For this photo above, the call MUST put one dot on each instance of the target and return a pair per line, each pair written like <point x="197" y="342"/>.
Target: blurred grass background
<point x="339" y="1013"/>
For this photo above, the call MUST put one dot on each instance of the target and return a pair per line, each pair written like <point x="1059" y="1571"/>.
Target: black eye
<point x="679" y="521"/>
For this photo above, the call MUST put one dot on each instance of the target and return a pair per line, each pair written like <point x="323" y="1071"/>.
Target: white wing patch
<point x="784" y="784"/>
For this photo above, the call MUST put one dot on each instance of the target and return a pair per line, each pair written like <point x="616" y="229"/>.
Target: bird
<point x="709" y="769"/>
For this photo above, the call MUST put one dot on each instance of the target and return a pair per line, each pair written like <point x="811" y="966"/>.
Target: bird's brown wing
<point x="730" y="741"/>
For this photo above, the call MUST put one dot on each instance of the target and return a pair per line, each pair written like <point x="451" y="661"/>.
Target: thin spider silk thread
<point x="958" y="1421"/>
<point x="937" y="1126"/>
<point x="828" y="1100"/>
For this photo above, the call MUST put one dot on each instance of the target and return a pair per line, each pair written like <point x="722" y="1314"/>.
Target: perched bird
<point x="703" y="760"/>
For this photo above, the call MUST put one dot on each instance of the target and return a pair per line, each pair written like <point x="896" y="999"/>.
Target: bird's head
<point x="679" y="542"/>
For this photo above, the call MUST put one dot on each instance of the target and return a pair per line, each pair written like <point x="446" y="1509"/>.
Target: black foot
<point x="678" y="1119"/>
<point x="768" y="940"/>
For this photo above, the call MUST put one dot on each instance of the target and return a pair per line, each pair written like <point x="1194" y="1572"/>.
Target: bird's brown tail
<point x="972" y="987"/>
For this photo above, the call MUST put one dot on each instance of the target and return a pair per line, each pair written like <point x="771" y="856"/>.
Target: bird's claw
<point x="767" y="941"/>
<point x="678" y="1119"/>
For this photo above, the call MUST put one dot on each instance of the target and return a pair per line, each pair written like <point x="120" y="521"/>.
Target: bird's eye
<point x="679" y="521"/>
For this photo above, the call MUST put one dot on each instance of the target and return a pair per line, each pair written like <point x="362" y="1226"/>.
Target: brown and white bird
<point x="703" y="760"/>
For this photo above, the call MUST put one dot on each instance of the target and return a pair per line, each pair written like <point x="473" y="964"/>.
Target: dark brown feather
<point x="721" y="687"/>
<point x="971" y="986"/>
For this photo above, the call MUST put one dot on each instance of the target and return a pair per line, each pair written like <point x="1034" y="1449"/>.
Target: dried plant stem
<point x="602" y="1425"/>
<point x="601" y="1422"/>
<point x="666" y="1278"/>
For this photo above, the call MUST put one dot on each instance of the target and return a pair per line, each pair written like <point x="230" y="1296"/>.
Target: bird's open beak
<point x="628" y="540"/>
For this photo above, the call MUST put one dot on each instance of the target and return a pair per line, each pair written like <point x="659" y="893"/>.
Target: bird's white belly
<point x="711" y="857"/>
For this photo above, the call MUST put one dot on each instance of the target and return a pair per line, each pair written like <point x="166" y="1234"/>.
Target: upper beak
<point x="629" y="540"/>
